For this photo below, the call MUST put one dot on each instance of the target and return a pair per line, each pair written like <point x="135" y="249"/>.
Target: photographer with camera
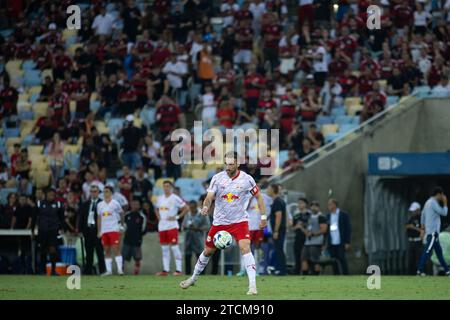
<point x="299" y="222"/>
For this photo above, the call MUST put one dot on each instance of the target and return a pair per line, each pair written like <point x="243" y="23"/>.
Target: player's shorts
<point x="312" y="253"/>
<point x="168" y="236"/>
<point x="239" y="231"/>
<point x="129" y="252"/>
<point x="256" y="236"/>
<point x="111" y="238"/>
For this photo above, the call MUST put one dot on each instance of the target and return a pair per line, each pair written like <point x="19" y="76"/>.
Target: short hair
<point x="334" y="201"/>
<point x="437" y="190"/>
<point x="193" y="202"/>
<point x="169" y="182"/>
<point x="232" y="154"/>
<point x="275" y="187"/>
<point x="109" y="188"/>
<point x="303" y="199"/>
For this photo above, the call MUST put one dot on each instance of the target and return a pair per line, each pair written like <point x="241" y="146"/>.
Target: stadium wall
<point x="420" y="126"/>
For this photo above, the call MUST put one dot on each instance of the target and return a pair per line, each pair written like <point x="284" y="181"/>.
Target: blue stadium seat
<point x="4" y="194"/>
<point x="347" y="127"/>
<point x="28" y="140"/>
<point x="95" y="105"/>
<point x="158" y="191"/>
<point x="331" y="137"/>
<point x="29" y="65"/>
<point x="340" y="120"/>
<point x="282" y="157"/>
<point x="355" y="120"/>
<point x="6" y="32"/>
<point x="34" y="97"/>
<point x="320" y="120"/>
<point x="392" y="100"/>
<point x="12" y="132"/>
<point x="32" y="78"/>
<point x="338" y="111"/>
<point x="148" y="116"/>
<point x="26" y="115"/>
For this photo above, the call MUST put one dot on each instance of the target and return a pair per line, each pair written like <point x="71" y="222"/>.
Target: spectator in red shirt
<point x="310" y="107"/>
<point x="14" y="157"/>
<point x="293" y="162"/>
<point x="61" y="63"/>
<point x="374" y="102"/>
<point x="8" y="99"/>
<point x="60" y="102"/>
<point x="315" y="136"/>
<point x="125" y="183"/>
<point x="253" y="84"/>
<point x="365" y="83"/>
<point x="244" y="39"/>
<point x="82" y="97"/>
<point x="226" y="115"/>
<point x="264" y="104"/>
<point x="127" y="99"/>
<point x="168" y="116"/>
<point x="272" y="36"/>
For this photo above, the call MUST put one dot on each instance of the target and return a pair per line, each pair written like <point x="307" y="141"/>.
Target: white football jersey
<point x="254" y="216"/>
<point x="232" y="197"/>
<point x="168" y="207"/>
<point x="110" y="213"/>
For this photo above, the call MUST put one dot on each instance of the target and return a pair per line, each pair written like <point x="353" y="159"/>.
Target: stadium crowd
<point x="96" y="106"/>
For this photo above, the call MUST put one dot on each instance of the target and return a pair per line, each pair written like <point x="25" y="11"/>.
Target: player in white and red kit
<point x="167" y="207"/>
<point x="231" y="190"/>
<point x="256" y="233"/>
<point x="110" y="216"/>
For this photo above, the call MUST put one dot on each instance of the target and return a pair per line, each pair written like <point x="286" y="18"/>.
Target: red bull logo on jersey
<point x="163" y="208"/>
<point x="230" y="197"/>
<point x="106" y="214"/>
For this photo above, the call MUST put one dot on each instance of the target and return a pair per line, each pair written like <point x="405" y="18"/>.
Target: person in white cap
<point x="415" y="236"/>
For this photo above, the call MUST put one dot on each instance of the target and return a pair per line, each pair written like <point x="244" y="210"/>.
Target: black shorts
<point x="129" y="252"/>
<point x="311" y="253"/>
<point x="48" y="238"/>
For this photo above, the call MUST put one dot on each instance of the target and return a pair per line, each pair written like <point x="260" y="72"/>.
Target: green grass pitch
<point x="224" y="288"/>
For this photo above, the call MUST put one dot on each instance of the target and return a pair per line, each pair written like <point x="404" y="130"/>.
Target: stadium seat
<point x="40" y="109"/>
<point x="321" y="120"/>
<point x="4" y="194"/>
<point x="347" y="127"/>
<point x="34" y="97"/>
<point x="340" y="111"/>
<point x="35" y="149"/>
<point x="32" y="78"/>
<point x="355" y="120"/>
<point x="340" y="120"/>
<point x="23" y="97"/>
<point x="26" y="115"/>
<point x="329" y="128"/>
<point x="72" y="148"/>
<point x="351" y="101"/>
<point x="94" y="105"/>
<point x="13" y="65"/>
<point x="101" y="127"/>
<point x="148" y="116"/>
<point x="11" y="141"/>
<point x="29" y="65"/>
<point x="157" y="192"/>
<point x="331" y="137"/>
<point x="27" y="140"/>
<point x="382" y="84"/>
<point x="41" y="178"/>
<point x="46" y="73"/>
<point x="200" y="174"/>
<point x="354" y="109"/>
<point x="73" y="47"/>
<point x="35" y="89"/>
<point x="282" y="157"/>
<point x="11" y="132"/>
<point x="392" y="100"/>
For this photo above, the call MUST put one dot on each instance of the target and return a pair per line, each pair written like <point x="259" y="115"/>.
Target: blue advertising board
<point x="435" y="163"/>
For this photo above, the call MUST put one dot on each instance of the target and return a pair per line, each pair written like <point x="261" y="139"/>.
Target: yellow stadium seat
<point x="352" y="110"/>
<point x="356" y="73"/>
<point x="24" y="97"/>
<point x="35" y="89"/>
<point x="101" y="127"/>
<point x="382" y="84"/>
<point x="47" y="73"/>
<point x="67" y="33"/>
<point x="11" y="141"/>
<point x="13" y="65"/>
<point x="41" y="178"/>
<point x="329" y="128"/>
<point x="73" y="47"/>
<point x="94" y="96"/>
<point x="25" y="131"/>
<point x="200" y="174"/>
<point x="39" y="161"/>
<point x="73" y="148"/>
<point x="72" y="105"/>
<point x="23" y="106"/>
<point x="159" y="182"/>
<point x="35" y="150"/>
<point x="351" y="101"/>
<point x="40" y="109"/>
<point x="154" y="199"/>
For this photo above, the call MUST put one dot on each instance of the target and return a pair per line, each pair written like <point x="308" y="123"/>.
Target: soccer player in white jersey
<point x="168" y="208"/>
<point x="231" y="190"/>
<point x="109" y="221"/>
<point x="256" y="233"/>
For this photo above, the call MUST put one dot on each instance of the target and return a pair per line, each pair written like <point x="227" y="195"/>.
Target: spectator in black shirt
<point x="180" y="24"/>
<point x="22" y="220"/>
<point x="136" y="226"/>
<point x="131" y="19"/>
<point x="396" y="83"/>
<point x="278" y="224"/>
<point x="109" y="97"/>
<point x="157" y="84"/>
<point x="149" y="211"/>
<point x="141" y="185"/>
<point x="48" y="88"/>
<point x="415" y="236"/>
<point x="131" y="141"/>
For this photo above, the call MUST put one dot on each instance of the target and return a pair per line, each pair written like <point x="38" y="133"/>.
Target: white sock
<point x="108" y="263"/>
<point x="178" y="259"/>
<point x="250" y="266"/>
<point x="166" y="258"/>
<point x="119" y="263"/>
<point x="200" y="266"/>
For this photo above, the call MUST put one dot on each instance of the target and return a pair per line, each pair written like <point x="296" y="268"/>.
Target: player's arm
<point x="183" y="212"/>
<point x="207" y="203"/>
<point x="157" y="213"/>
<point x="99" y="225"/>
<point x="262" y="210"/>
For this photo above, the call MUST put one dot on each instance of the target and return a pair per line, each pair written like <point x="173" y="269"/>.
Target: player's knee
<point x="208" y="252"/>
<point x="245" y="248"/>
